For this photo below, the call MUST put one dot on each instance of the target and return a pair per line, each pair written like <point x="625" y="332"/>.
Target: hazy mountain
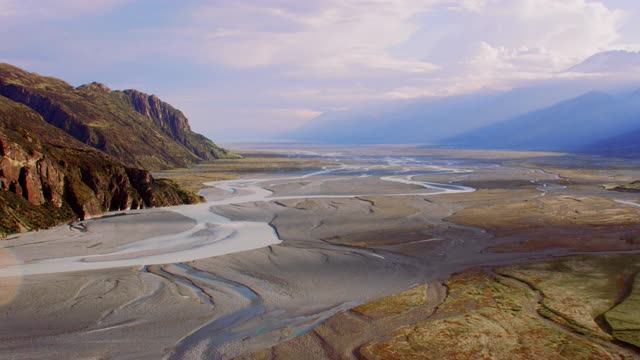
<point x="625" y="144"/>
<point x="429" y="120"/>
<point x="617" y="61"/>
<point x="136" y="128"/>
<point x="622" y="145"/>
<point x="571" y="125"/>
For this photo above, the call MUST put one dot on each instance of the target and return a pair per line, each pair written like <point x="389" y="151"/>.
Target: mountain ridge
<point x="572" y="125"/>
<point x="429" y="120"/>
<point x="112" y="121"/>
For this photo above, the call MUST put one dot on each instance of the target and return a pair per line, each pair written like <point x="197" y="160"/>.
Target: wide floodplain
<point x="273" y="254"/>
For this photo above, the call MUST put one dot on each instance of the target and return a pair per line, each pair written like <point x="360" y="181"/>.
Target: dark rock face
<point x="29" y="174"/>
<point x="88" y="190"/>
<point x="52" y="180"/>
<point x="53" y="113"/>
<point x="174" y="123"/>
<point x="170" y="120"/>
<point x="141" y="180"/>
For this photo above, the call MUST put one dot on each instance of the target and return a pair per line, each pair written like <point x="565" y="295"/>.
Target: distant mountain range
<point x="428" y="120"/>
<point x="589" y="123"/>
<point x="624" y="145"/>
<point x="595" y="122"/>
<point x="69" y="152"/>
<point x="563" y="114"/>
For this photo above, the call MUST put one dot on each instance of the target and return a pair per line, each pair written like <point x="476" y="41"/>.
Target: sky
<point x="249" y="69"/>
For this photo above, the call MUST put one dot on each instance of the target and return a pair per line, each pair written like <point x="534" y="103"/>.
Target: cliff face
<point x="47" y="176"/>
<point x="138" y="129"/>
<point x="170" y="120"/>
<point x="173" y="123"/>
<point x="29" y="173"/>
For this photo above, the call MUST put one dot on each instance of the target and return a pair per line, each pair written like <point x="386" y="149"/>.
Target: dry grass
<point x="544" y="310"/>
<point x="394" y="304"/>
<point x="545" y="211"/>
<point x="625" y="317"/>
<point x="579" y="223"/>
<point x="195" y="176"/>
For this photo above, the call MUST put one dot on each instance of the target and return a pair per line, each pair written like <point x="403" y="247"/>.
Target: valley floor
<point x="370" y="252"/>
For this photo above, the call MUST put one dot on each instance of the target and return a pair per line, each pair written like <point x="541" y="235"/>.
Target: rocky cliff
<point x="138" y="129"/>
<point x="48" y="176"/>
<point x="173" y="123"/>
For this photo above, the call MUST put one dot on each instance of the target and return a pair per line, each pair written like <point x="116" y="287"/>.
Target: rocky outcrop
<point x="29" y="174"/>
<point x="163" y="115"/>
<point x="173" y="123"/>
<point x="47" y="176"/>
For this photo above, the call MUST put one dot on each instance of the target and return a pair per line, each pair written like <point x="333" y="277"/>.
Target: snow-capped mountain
<point x="616" y="61"/>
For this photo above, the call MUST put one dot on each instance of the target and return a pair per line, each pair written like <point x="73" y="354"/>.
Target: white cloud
<point x="326" y="38"/>
<point x="467" y="5"/>
<point x="496" y="43"/>
<point x="55" y="8"/>
<point x="291" y="114"/>
<point x="7" y="8"/>
<point x="483" y="43"/>
<point x="563" y="31"/>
